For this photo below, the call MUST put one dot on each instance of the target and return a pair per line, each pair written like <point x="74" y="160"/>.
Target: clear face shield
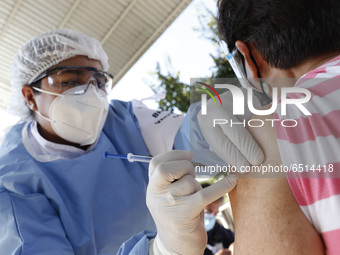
<point x="236" y="61"/>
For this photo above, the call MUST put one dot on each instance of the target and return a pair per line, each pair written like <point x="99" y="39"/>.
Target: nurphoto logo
<point x="239" y="104"/>
<point x="204" y="97"/>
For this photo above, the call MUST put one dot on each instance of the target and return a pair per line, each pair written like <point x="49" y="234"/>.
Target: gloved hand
<point x="176" y="202"/>
<point x="235" y="145"/>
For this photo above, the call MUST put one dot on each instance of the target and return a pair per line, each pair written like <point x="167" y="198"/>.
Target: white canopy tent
<point x="126" y="28"/>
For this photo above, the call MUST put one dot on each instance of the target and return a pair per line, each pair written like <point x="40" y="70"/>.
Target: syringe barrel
<point x="138" y="158"/>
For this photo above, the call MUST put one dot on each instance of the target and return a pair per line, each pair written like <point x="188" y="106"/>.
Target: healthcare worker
<point x="58" y="195"/>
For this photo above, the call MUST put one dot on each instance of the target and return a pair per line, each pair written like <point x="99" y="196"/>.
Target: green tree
<point x="178" y="93"/>
<point x="209" y="31"/>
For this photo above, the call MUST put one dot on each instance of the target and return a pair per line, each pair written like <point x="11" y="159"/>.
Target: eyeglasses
<point x="77" y="78"/>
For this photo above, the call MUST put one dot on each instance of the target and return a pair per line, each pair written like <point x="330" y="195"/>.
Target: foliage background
<point x="177" y="93"/>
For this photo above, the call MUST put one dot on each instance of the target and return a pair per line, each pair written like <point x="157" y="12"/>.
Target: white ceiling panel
<point x="126" y="28"/>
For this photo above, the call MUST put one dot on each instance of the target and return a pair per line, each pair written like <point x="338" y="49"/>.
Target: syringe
<point x="130" y="157"/>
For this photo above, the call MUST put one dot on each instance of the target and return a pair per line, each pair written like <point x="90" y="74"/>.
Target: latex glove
<point x="235" y="145"/>
<point x="176" y="202"/>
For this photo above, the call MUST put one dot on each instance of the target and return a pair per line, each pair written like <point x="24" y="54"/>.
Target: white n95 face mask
<point x="78" y="118"/>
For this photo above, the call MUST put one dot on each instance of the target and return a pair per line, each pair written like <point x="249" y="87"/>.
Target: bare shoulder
<point x="268" y="219"/>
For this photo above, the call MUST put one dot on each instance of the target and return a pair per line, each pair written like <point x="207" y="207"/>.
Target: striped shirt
<point x="311" y="150"/>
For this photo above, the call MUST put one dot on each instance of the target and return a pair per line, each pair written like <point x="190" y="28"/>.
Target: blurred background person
<point x="220" y="239"/>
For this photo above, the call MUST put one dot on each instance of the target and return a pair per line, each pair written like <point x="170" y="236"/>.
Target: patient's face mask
<point x="78" y="118"/>
<point x="209" y="221"/>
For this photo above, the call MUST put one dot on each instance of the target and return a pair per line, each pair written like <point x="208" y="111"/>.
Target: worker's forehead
<point x="81" y="61"/>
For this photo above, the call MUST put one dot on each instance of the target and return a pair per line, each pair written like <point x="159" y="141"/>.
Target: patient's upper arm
<point x="267" y="218"/>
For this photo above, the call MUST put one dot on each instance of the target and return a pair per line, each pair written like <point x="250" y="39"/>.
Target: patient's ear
<point x="250" y="66"/>
<point x="251" y="55"/>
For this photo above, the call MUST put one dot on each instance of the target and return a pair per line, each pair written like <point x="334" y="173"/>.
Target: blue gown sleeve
<point x="30" y="225"/>
<point x="189" y="137"/>
<point x="138" y="244"/>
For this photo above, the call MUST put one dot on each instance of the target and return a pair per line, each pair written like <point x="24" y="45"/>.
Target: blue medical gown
<point x="188" y="137"/>
<point x="87" y="205"/>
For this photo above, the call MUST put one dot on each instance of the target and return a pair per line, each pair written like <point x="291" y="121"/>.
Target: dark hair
<point x="36" y="84"/>
<point x="285" y="32"/>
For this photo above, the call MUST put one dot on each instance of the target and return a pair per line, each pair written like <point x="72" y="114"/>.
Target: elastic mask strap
<point x="44" y="117"/>
<point x="264" y="91"/>
<point x="47" y="92"/>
